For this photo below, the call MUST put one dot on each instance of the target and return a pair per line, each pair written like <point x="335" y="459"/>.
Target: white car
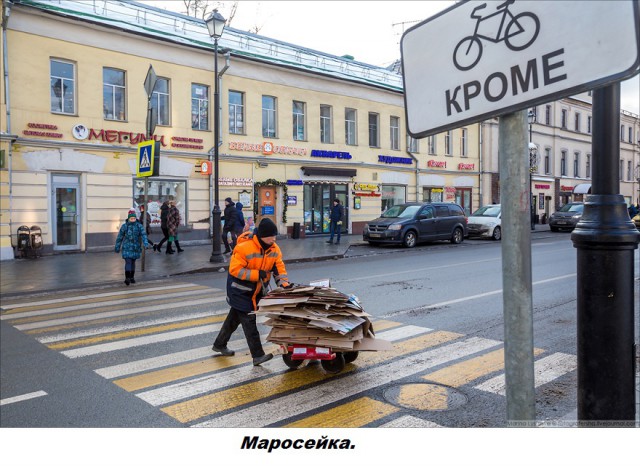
<point x="486" y="222"/>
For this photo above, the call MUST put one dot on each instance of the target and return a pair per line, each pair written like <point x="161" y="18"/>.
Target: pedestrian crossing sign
<point x="148" y="161"/>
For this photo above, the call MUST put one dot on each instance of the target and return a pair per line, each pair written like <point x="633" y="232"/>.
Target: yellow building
<point x="298" y="128"/>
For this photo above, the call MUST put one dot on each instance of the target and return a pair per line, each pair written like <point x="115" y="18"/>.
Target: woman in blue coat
<point x="130" y="239"/>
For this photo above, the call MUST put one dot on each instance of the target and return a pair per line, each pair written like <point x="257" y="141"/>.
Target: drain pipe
<point x="6" y="12"/>
<point x="417" y="172"/>
<point x="480" y="172"/>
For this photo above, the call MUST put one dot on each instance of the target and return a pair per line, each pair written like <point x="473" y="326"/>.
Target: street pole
<point x="531" y="117"/>
<point x="605" y="239"/>
<point x="516" y="269"/>
<point x="216" y="252"/>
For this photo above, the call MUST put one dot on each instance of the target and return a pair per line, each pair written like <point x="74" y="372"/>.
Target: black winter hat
<point x="228" y="200"/>
<point x="267" y="228"/>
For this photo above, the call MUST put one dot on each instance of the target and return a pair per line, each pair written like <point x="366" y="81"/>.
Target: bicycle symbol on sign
<point x="519" y="33"/>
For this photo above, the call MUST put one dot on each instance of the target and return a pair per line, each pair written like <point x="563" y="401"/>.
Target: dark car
<point x="567" y="217"/>
<point x="411" y="223"/>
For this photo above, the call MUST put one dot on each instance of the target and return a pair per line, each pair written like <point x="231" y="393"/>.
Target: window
<point x="160" y="101"/>
<point x="563" y="163"/>
<point x="299" y="121"/>
<point x="236" y="113"/>
<point x="325" y="124"/>
<point x="114" y="92"/>
<point x="63" y="89"/>
<point x="547" y="115"/>
<point x="629" y="171"/>
<point x="622" y="133"/>
<point x="630" y="134"/>
<point x="374" y="124"/>
<point x="547" y="160"/>
<point x="563" y="121"/>
<point x="588" y="166"/>
<point x="159" y="191"/>
<point x="621" y="171"/>
<point x="447" y="143"/>
<point x="577" y="122"/>
<point x="199" y="107"/>
<point x="350" y="127"/>
<point x="432" y="194"/>
<point x="432" y="144"/>
<point x="463" y="142"/>
<point x="269" y="116"/>
<point x="576" y="164"/>
<point x="394" y="132"/>
<point x="412" y="144"/>
<point x="393" y="195"/>
<point x="589" y="124"/>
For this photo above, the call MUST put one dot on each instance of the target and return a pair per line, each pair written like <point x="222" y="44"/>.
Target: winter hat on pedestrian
<point x="267" y="228"/>
<point x="228" y="200"/>
<point x="131" y="213"/>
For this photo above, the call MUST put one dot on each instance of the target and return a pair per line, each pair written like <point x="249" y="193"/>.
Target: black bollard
<point x="605" y="239"/>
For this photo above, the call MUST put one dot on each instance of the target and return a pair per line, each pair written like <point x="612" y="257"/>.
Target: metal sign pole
<point x="516" y="269"/>
<point x="605" y="239"/>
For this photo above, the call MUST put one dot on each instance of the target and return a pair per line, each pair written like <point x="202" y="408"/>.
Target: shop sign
<point x="566" y="188"/>
<point x="367" y="193"/>
<point x="366" y="187"/>
<point x="187" y="143"/>
<point x="394" y="159"/>
<point x="542" y="187"/>
<point x="439" y="164"/>
<point x="450" y="193"/>
<point x="81" y="132"/>
<point x="37" y="130"/>
<point x="330" y="154"/>
<point x="295" y="182"/>
<point x="267" y="148"/>
<point x="228" y="181"/>
<point x="268" y="210"/>
<point x="463" y="166"/>
<point x="204" y="168"/>
<point x="292" y="200"/>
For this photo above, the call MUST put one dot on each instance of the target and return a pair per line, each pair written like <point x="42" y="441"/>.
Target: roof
<point x="141" y="19"/>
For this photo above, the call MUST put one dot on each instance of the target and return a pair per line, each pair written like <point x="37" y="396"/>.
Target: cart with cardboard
<point x="311" y="322"/>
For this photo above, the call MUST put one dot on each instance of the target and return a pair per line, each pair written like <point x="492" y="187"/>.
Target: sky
<point x="370" y="31"/>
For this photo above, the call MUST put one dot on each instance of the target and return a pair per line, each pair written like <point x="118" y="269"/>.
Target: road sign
<point x="148" y="160"/>
<point x="478" y="60"/>
<point x="150" y="81"/>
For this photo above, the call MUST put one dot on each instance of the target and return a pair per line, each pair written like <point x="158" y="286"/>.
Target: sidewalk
<point x="75" y="270"/>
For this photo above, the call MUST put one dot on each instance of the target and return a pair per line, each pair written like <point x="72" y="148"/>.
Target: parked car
<point x="411" y="223"/>
<point x="566" y="217"/>
<point x="486" y="222"/>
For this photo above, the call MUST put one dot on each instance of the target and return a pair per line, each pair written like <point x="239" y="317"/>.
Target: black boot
<point x="127" y="280"/>
<point x="169" y="249"/>
<point x="131" y="274"/>
<point x="180" y="250"/>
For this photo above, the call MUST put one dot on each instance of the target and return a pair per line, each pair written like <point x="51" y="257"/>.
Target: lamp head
<point x="215" y="24"/>
<point x="531" y="116"/>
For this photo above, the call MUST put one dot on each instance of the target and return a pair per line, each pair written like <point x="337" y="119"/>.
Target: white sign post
<point x="478" y="59"/>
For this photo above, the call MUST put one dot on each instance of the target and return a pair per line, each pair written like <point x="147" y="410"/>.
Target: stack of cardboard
<point x="318" y="316"/>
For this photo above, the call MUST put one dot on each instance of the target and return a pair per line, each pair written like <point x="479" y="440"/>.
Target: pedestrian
<point x="255" y="259"/>
<point x="240" y="223"/>
<point x="164" y="216"/>
<point x="148" y="229"/>
<point x="633" y="211"/>
<point x="130" y="240"/>
<point x="173" y="222"/>
<point x="230" y="219"/>
<point x="335" y="220"/>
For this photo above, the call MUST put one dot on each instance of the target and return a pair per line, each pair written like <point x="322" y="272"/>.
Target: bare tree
<point x="203" y="8"/>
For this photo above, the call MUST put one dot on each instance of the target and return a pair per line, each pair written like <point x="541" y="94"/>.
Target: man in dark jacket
<point x="336" y="217"/>
<point x="164" y="215"/>
<point x="240" y="223"/>
<point x="254" y="261"/>
<point x="230" y="219"/>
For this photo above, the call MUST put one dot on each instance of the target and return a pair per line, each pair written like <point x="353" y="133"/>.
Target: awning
<point x="338" y="172"/>
<point x="582" y="188"/>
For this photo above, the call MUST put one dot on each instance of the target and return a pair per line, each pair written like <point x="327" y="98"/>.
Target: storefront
<point x="318" y="201"/>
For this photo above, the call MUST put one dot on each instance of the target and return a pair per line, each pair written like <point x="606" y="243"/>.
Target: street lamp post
<point x="215" y="24"/>
<point x="533" y="153"/>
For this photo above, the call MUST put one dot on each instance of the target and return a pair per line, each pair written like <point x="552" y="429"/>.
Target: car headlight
<point x="395" y="227"/>
<point x="577" y="216"/>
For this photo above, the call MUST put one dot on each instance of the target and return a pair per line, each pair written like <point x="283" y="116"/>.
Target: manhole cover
<point x="425" y="396"/>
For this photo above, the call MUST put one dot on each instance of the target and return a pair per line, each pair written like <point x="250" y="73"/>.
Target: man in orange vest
<point x="254" y="260"/>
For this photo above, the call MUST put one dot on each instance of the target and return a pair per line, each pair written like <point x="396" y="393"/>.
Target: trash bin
<point x="24" y="240"/>
<point x="296" y="230"/>
<point x="36" y="238"/>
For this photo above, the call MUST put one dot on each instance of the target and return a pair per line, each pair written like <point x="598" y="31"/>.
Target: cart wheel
<point x="290" y="362"/>
<point x="333" y="366"/>
<point x="350" y="356"/>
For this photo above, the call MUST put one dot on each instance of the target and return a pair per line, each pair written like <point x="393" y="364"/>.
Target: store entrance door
<point x="318" y="201"/>
<point x="66" y="217"/>
<point x="463" y="198"/>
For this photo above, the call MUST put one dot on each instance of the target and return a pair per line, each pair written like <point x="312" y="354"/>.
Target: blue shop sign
<point x="330" y="154"/>
<point x="295" y="182"/>
<point x="394" y="159"/>
<point x="268" y="211"/>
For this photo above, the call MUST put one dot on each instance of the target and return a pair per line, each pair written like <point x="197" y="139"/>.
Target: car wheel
<point x="457" y="236"/>
<point x="497" y="234"/>
<point x="410" y="239"/>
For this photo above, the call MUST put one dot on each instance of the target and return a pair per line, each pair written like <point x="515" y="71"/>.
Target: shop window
<point x="392" y="195"/>
<point x="160" y="101"/>
<point x="114" y="94"/>
<point x="236" y="113"/>
<point x="199" y="107"/>
<point x="350" y="127"/>
<point x="432" y="194"/>
<point x="159" y="191"/>
<point x="63" y="88"/>
<point x="299" y="133"/>
<point x="269" y="116"/>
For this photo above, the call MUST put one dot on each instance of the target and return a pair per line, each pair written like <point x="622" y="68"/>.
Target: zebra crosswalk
<point x="154" y="340"/>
